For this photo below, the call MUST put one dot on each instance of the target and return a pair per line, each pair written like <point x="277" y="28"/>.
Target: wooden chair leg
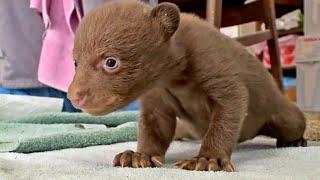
<point x="217" y="14"/>
<point x="210" y="11"/>
<point x="270" y="21"/>
<point x="214" y="12"/>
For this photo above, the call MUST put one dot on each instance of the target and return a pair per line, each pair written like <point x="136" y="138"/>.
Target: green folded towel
<point x="53" y="131"/>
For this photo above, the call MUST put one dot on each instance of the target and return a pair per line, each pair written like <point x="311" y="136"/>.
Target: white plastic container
<point x="311" y="17"/>
<point x="308" y="59"/>
<point x="308" y="73"/>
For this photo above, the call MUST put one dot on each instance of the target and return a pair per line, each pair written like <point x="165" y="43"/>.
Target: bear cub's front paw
<point x="137" y="160"/>
<point x="206" y="164"/>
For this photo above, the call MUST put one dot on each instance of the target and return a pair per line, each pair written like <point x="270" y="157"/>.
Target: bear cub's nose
<point x="78" y="97"/>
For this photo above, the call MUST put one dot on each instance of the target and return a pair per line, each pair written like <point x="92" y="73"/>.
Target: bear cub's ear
<point x="168" y="16"/>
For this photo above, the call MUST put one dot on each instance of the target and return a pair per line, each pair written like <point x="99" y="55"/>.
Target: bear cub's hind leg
<point x="288" y="127"/>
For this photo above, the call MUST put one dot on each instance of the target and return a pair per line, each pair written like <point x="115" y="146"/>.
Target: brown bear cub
<point x="180" y="67"/>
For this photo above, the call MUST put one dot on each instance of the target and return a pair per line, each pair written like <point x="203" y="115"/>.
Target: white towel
<point x="256" y="159"/>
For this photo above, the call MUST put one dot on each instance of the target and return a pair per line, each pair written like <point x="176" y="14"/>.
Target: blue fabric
<point x="12" y="91"/>
<point x="289" y="81"/>
<point x="134" y="106"/>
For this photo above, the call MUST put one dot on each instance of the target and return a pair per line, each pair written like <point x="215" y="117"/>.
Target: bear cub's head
<point x="119" y="53"/>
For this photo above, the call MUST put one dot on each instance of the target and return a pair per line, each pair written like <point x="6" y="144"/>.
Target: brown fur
<point x="179" y="66"/>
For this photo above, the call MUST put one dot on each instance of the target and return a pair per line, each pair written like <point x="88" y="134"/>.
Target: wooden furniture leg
<point x="273" y="45"/>
<point x="217" y="13"/>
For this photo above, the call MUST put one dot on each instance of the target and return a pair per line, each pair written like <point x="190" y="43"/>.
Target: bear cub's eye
<point x="111" y="64"/>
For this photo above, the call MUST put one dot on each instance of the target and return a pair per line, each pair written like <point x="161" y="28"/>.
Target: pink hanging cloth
<point x="60" y="17"/>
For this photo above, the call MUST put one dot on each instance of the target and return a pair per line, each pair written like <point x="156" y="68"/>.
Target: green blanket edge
<point x="112" y="120"/>
<point x="123" y="123"/>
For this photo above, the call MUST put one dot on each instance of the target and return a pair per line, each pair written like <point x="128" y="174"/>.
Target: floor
<point x="313" y="126"/>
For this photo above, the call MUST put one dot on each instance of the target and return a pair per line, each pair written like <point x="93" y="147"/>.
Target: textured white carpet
<point x="256" y="159"/>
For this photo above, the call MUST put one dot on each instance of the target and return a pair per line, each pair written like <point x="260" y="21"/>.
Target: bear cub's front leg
<point x="155" y="132"/>
<point x="217" y="144"/>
